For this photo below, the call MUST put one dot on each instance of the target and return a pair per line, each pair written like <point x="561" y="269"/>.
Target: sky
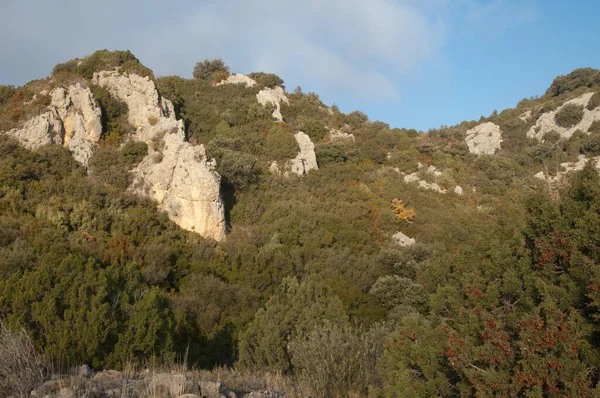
<point x="410" y="63"/>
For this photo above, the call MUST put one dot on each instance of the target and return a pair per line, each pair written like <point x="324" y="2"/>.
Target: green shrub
<point x="103" y="60"/>
<point x="594" y="101"/>
<point x="297" y="309"/>
<point x="114" y="116"/>
<point x="584" y="77"/>
<point x="569" y="115"/>
<point x="6" y="92"/>
<point x="552" y="137"/>
<point x="206" y="69"/>
<point x="134" y="152"/>
<point x="267" y="79"/>
<point x="281" y="144"/>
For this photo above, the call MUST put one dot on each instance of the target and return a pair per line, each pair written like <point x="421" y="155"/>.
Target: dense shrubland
<point x="498" y="297"/>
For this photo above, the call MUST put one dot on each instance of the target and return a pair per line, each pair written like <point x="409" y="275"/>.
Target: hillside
<point x="223" y="221"/>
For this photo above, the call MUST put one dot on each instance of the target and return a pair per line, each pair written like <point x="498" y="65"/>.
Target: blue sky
<point x="410" y="63"/>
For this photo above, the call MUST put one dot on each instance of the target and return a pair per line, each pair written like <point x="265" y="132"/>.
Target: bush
<point x="114" y="116"/>
<point x="267" y="79"/>
<point x="281" y="144"/>
<point x="134" y="152"/>
<point x="569" y="115"/>
<point x="584" y="77"/>
<point x="21" y="366"/>
<point x="6" y="92"/>
<point x="338" y="361"/>
<point x="204" y="70"/>
<point x="102" y="60"/>
<point x="298" y="308"/>
<point x="594" y="101"/>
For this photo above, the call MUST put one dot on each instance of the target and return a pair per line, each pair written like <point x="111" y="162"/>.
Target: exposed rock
<point x="431" y="186"/>
<point x="39" y="131"/>
<point x="210" y="389"/>
<point x="66" y="393"/>
<point x="547" y="123"/>
<point x="85" y="371"/>
<point x="568" y="167"/>
<point x="274" y="168"/>
<point x="175" y="173"/>
<point x="339" y="135"/>
<point x="73" y="120"/>
<point x="146" y="107"/>
<point x="484" y="139"/>
<point x="525" y="116"/>
<point x="184" y="184"/>
<point x="239" y="79"/>
<point x="403" y="240"/>
<point x="306" y="159"/>
<point x="458" y="190"/>
<point x="275" y="96"/>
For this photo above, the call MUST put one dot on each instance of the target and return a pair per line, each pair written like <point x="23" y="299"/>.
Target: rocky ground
<point x="191" y="384"/>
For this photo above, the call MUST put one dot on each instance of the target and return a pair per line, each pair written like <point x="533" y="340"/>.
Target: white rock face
<point x="239" y="79"/>
<point x="546" y="122"/>
<point x="175" y="173"/>
<point x="149" y="113"/>
<point x="402" y="240"/>
<point x="306" y="159"/>
<point x="339" y="135"/>
<point x="525" y="116"/>
<point x="275" y="96"/>
<point x="458" y="190"/>
<point x="568" y="167"/>
<point x="484" y="139"/>
<point x="431" y="186"/>
<point x="74" y="120"/>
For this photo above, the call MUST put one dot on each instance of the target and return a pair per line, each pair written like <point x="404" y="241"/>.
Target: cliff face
<point x="174" y="173"/>
<point x="73" y="120"/>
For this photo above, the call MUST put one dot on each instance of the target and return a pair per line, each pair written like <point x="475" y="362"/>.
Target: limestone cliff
<point x="238" y="79"/>
<point x="175" y="173"/>
<point x="73" y="120"/>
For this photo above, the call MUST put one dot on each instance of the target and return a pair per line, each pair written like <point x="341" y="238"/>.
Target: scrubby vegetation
<point x="498" y="297"/>
<point x="569" y="115"/>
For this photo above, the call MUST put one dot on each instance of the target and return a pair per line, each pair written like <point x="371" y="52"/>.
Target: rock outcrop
<point x="306" y="159"/>
<point x="525" y="116"/>
<point x="568" y="167"/>
<point x="275" y="96"/>
<point x="484" y="139"/>
<point x="547" y="123"/>
<point x="174" y="173"/>
<point x="339" y="135"/>
<point x="239" y="79"/>
<point x="73" y="119"/>
<point x="402" y="240"/>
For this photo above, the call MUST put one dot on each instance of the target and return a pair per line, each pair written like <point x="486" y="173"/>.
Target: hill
<point x="227" y="221"/>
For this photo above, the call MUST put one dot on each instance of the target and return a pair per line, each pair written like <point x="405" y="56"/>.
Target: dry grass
<point x="21" y="366"/>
